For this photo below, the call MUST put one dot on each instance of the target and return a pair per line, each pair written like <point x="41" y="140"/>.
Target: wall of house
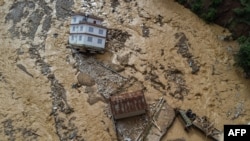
<point x="94" y="41"/>
<point x="78" y="29"/>
<point x="82" y="39"/>
<point x="90" y="20"/>
<point x="76" y="39"/>
<point x="77" y="18"/>
<point x="85" y="29"/>
<point x="96" y="30"/>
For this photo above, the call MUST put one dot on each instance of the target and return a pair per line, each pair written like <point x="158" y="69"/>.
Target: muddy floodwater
<point x="158" y="46"/>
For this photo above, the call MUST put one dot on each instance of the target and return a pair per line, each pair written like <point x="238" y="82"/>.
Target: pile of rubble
<point x="116" y="39"/>
<point x="107" y="81"/>
<point x="177" y="84"/>
<point x="183" y="49"/>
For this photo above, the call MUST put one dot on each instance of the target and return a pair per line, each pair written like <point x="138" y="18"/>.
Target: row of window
<point x="89" y="39"/>
<point x="83" y="19"/>
<point x="91" y="29"/>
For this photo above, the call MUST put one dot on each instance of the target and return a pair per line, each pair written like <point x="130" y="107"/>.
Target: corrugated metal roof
<point x="128" y="104"/>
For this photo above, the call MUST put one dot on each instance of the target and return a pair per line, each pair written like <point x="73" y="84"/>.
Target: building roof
<point x="88" y="23"/>
<point x="89" y="15"/>
<point x="125" y="104"/>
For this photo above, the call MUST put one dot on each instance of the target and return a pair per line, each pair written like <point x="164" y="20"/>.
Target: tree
<point x="243" y="56"/>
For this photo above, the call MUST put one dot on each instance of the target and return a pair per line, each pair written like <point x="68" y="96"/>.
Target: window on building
<point x="74" y="19"/>
<point x="74" y="28"/>
<point x="91" y="29"/>
<point x="90" y="39"/>
<point x="100" y="31"/>
<point x="72" y="37"/>
<point x="81" y="28"/>
<point x="84" y="19"/>
<point x="80" y="37"/>
<point x="99" y="41"/>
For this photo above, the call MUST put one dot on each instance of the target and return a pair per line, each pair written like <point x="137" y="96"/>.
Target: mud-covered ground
<point x="158" y="46"/>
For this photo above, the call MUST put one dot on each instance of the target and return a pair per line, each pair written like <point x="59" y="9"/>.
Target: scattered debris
<point x="12" y="132"/>
<point x="116" y="39"/>
<point x="21" y="67"/>
<point x="145" y="30"/>
<point x="19" y="51"/>
<point x="123" y="59"/>
<point x="200" y="123"/>
<point x="2" y="78"/>
<point x="162" y="117"/>
<point x="114" y="4"/>
<point x="144" y="14"/>
<point x="63" y="8"/>
<point x="158" y="19"/>
<point x="108" y="81"/>
<point x="177" y="84"/>
<point x="225" y="37"/>
<point x="239" y="110"/>
<point x="94" y="98"/>
<point x="183" y="49"/>
<point x="9" y="129"/>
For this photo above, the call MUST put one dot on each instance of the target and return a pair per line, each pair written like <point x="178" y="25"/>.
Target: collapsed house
<point x="128" y="105"/>
<point x="87" y="33"/>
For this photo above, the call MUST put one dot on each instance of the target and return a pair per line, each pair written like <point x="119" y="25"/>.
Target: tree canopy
<point x="243" y="56"/>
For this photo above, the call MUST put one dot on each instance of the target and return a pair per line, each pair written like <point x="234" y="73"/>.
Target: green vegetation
<point x="243" y="12"/>
<point x="197" y="6"/>
<point x="243" y="56"/>
<point x="207" y="10"/>
<point x="182" y="1"/>
<point x="210" y="15"/>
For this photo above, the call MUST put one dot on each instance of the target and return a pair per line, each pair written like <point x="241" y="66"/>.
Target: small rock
<point x="116" y="67"/>
<point x="93" y="4"/>
<point x="123" y="59"/>
<point x="144" y="14"/>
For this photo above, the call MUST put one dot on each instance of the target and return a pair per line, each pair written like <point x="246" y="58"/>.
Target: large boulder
<point x="85" y="79"/>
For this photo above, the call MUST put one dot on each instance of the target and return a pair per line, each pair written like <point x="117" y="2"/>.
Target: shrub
<point x="243" y="56"/>
<point x="196" y="6"/>
<point x="181" y="1"/>
<point x="216" y="3"/>
<point x="210" y="15"/>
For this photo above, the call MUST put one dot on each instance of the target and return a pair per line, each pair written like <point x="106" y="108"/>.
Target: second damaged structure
<point x="128" y="105"/>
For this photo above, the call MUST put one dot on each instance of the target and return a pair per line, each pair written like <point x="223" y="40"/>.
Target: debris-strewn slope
<point x="39" y="97"/>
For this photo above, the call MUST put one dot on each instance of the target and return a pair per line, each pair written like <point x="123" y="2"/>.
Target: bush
<point x="216" y="3"/>
<point x="243" y="56"/>
<point x="181" y="1"/>
<point x="210" y="15"/>
<point x="243" y="12"/>
<point x="196" y="6"/>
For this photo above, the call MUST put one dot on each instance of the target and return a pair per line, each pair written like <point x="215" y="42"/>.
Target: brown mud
<point x="143" y="48"/>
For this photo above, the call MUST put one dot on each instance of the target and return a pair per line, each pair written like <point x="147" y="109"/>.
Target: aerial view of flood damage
<point x="124" y="70"/>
